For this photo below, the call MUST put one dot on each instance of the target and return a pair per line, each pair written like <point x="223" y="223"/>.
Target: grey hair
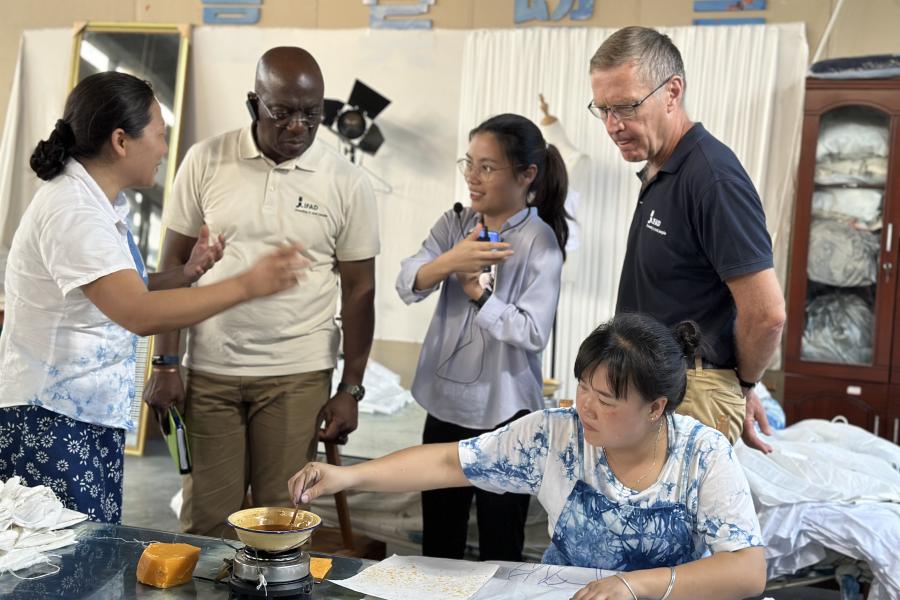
<point x="652" y="52"/>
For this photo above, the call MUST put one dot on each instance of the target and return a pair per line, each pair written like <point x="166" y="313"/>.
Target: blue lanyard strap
<point x="138" y="260"/>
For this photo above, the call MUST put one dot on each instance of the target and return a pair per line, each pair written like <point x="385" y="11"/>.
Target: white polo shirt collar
<point x="308" y="161"/>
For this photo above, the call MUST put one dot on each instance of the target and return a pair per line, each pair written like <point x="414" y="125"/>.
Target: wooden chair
<point x="342" y="541"/>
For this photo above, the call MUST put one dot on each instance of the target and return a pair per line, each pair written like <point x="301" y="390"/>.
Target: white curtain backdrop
<point x="744" y="83"/>
<point x="36" y="100"/>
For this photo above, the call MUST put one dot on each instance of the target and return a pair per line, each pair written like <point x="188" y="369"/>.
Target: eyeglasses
<point x="283" y="118"/>
<point x="483" y="171"/>
<point x="623" y="111"/>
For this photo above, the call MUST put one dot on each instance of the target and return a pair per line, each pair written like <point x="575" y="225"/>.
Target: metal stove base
<point x="301" y="590"/>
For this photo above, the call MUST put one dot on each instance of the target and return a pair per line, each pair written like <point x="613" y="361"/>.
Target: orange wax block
<point x="167" y="565"/>
<point x="319" y="567"/>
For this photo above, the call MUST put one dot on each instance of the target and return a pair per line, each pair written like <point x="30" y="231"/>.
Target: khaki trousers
<point x="255" y="431"/>
<point x="714" y="398"/>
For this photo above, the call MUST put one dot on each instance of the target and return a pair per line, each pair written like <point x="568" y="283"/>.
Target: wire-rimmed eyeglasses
<point x="482" y="171"/>
<point x="623" y="111"/>
<point x="283" y="118"/>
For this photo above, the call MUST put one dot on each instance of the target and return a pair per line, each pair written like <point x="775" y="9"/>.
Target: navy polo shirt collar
<point x="684" y="147"/>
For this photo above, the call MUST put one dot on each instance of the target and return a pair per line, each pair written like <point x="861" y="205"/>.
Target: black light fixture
<point x="353" y="121"/>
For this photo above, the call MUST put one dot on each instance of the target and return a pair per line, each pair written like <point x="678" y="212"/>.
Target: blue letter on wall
<point x="536" y="10"/>
<point x="378" y="15"/>
<point x="231" y="15"/>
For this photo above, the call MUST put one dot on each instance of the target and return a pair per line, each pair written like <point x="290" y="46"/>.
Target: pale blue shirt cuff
<point x="491" y="311"/>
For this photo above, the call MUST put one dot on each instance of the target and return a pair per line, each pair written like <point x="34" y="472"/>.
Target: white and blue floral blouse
<point x="700" y="503"/>
<point x="58" y="350"/>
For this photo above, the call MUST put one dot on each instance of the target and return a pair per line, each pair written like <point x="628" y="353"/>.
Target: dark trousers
<point x="445" y="513"/>
<point x="82" y="463"/>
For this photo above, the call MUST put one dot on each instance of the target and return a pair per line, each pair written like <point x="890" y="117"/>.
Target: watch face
<point x="357" y="391"/>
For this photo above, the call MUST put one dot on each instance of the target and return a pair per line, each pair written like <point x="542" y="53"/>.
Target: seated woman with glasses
<point x="628" y="485"/>
<point x="497" y="264"/>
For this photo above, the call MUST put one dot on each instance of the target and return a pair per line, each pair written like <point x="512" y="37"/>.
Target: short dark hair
<point x="639" y="351"/>
<point x="97" y="106"/>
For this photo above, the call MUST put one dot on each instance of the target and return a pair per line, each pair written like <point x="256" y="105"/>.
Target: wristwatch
<point x="357" y="391"/>
<point x="745" y="384"/>
<point x="164" y="360"/>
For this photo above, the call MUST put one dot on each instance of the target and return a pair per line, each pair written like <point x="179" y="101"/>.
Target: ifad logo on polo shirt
<point x="654" y="224"/>
<point x="309" y="208"/>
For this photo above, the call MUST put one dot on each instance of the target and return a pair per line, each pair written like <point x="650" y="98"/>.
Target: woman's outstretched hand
<point x="316" y="479"/>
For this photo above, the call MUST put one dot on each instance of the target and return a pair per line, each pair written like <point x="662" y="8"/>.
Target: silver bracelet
<point x="671" y="585"/>
<point x="622" y="579"/>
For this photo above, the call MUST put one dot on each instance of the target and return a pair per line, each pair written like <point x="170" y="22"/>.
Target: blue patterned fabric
<point x="633" y="537"/>
<point x="700" y="502"/>
<point x="80" y="462"/>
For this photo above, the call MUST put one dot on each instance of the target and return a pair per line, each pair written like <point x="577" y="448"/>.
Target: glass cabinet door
<point x="843" y="269"/>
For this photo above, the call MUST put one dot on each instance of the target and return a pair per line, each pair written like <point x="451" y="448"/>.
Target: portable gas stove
<point x="286" y="574"/>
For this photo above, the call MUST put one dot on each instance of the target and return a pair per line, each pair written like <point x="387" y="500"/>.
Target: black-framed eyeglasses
<point x="283" y="118"/>
<point x="623" y="111"/>
<point x="483" y="171"/>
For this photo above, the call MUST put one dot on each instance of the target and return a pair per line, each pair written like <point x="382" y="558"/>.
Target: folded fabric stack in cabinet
<point x="32" y="520"/>
<point x="852" y="148"/>
<point x="839" y="329"/>
<point x="871" y="170"/>
<point x="857" y="206"/>
<point x="841" y="255"/>
<point x="845" y="235"/>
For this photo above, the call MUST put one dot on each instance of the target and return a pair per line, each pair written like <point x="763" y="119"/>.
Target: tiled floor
<point x="150" y="482"/>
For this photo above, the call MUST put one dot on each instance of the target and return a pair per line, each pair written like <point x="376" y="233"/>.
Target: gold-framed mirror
<point x="158" y="54"/>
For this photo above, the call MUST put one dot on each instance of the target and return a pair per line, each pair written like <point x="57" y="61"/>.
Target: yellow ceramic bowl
<point x="246" y="524"/>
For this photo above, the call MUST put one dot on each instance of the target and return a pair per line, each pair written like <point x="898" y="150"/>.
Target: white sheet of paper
<point x="529" y="581"/>
<point x="417" y="577"/>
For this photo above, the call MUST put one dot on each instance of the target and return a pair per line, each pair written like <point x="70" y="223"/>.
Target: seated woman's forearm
<point x="420" y="468"/>
<point x="722" y="576"/>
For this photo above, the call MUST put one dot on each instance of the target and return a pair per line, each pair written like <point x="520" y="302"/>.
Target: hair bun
<point x="688" y="336"/>
<point x="49" y="156"/>
<point x="64" y="133"/>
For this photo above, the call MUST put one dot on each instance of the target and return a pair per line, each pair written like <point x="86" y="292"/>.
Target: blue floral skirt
<point x="80" y="462"/>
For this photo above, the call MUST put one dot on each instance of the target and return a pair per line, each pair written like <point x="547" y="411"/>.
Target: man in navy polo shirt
<point x="698" y="248"/>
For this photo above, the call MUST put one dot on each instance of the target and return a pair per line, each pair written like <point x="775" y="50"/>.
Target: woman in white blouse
<point x="77" y="296"/>
<point x="627" y="484"/>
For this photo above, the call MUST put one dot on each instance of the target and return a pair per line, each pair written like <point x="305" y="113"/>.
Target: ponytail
<point x="550" y="190"/>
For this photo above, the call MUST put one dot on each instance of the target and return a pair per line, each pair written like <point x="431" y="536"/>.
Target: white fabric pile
<point x="384" y="394"/>
<point x="828" y="486"/>
<point x="32" y="521"/>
